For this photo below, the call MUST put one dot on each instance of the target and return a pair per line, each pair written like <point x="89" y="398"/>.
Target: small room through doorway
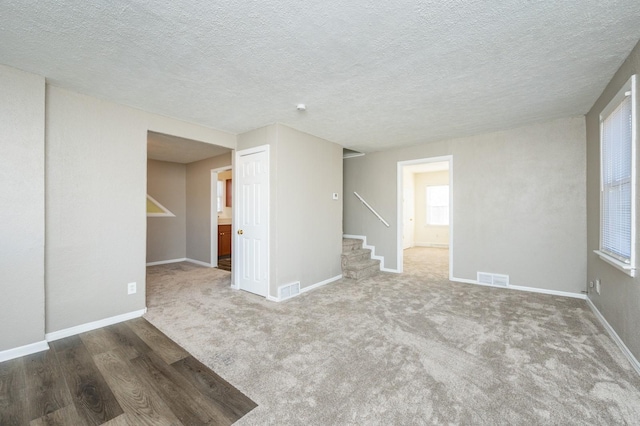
<point x="425" y="216"/>
<point x="222" y="184"/>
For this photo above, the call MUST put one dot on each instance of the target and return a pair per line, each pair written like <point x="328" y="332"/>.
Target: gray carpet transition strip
<point x="411" y="348"/>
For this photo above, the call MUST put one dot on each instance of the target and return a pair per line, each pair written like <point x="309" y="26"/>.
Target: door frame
<point x="214" y="213"/>
<point x="400" y="212"/>
<point x="238" y="204"/>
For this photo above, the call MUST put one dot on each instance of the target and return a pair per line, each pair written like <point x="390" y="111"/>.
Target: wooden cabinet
<point x="229" y="192"/>
<point x="224" y="240"/>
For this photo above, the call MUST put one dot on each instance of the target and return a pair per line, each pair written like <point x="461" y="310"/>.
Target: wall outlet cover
<point x="131" y="288"/>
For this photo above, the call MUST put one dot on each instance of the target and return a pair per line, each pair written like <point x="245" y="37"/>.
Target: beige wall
<point x="96" y="220"/>
<point x="305" y="222"/>
<point x="199" y="207"/>
<point x="425" y="234"/>
<point x="619" y="301"/>
<point x="166" y="236"/>
<point x="518" y="200"/>
<point x="22" y="208"/>
<point x="309" y="232"/>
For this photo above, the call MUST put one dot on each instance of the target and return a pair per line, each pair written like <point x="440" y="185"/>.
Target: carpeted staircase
<point x="356" y="261"/>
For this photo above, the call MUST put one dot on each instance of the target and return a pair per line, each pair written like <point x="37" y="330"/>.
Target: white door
<point x="252" y="220"/>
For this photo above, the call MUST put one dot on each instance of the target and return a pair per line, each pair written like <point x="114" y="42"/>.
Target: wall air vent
<point x="493" y="279"/>
<point x="288" y="291"/>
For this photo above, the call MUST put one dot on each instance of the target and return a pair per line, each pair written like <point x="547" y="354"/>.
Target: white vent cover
<point x="289" y="290"/>
<point x="493" y="279"/>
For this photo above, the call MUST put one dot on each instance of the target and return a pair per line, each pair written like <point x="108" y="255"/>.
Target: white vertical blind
<point x="616" y="197"/>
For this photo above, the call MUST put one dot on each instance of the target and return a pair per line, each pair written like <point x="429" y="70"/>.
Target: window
<point x="618" y="179"/>
<point x="438" y="205"/>
<point x="220" y="195"/>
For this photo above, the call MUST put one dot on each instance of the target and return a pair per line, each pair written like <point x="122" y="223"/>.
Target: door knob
<point x="240" y="232"/>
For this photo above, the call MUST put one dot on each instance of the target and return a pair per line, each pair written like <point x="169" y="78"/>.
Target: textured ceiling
<point x="373" y="74"/>
<point x="179" y="150"/>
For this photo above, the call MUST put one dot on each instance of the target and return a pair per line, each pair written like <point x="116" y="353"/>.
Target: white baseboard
<point x="305" y="289"/>
<point x="198" y="262"/>
<point x="320" y="284"/>
<point x="614" y="336"/>
<point x="373" y="251"/>
<point x="182" y="259"/>
<point x="522" y="288"/>
<point x="25" y="350"/>
<point x="433" y="245"/>
<point x="72" y="331"/>
<point x="164" y="262"/>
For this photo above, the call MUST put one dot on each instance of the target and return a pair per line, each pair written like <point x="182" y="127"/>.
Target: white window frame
<point x="429" y="219"/>
<point x="628" y="266"/>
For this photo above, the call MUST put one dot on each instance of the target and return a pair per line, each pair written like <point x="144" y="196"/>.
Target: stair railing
<point x="371" y="208"/>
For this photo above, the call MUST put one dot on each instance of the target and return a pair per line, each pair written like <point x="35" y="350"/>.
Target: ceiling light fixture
<point x="301" y="107"/>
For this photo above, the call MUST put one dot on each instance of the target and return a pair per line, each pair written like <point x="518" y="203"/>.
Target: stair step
<point x="362" y="269"/>
<point x="349" y="244"/>
<point x="357" y="255"/>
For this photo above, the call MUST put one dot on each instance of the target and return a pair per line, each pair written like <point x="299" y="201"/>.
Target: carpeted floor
<point x="400" y="349"/>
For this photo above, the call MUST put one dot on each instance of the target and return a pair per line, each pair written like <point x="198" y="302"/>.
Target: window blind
<point x="438" y="205"/>
<point x="616" y="215"/>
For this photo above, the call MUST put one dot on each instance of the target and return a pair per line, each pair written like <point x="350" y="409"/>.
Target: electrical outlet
<point x="131" y="288"/>
<point x="598" y="286"/>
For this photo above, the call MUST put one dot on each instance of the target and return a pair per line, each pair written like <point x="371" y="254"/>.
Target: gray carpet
<point x="400" y="349"/>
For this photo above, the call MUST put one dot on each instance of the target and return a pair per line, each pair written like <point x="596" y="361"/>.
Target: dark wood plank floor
<point x="125" y="374"/>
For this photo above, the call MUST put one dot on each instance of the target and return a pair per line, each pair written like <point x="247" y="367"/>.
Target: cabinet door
<point x="229" y="193"/>
<point x="224" y="240"/>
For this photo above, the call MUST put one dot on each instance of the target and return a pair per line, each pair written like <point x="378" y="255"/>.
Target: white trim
<point x="433" y="245"/>
<point x="624" y="267"/>
<point x="214" y="212"/>
<point x="522" y="288"/>
<point x="25" y="350"/>
<point x="614" y="336"/>
<point x="399" y="193"/>
<point x="164" y="262"/>
<point x="166" y="211"/>
<point x="305" y="289"/>
<point x="198" y="262"/>
<point x="82" y="328"/>
<point x="373" y="252"/>
<point x="182" y="259"/>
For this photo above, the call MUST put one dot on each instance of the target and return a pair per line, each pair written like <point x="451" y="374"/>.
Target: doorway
<point x="425" y="212"/>
<point x="221" y="218"/>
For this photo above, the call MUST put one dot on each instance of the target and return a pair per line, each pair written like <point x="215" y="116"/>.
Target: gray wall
<point x="305" y="223"/>
<point x="22" y="208"/>
<point x="518" y="200"/>
<point x="198" y="199"/>
<point x="309" y="221"/>
<point x="619" y="301"/>
<point x="166" y="236"/>
<point x="95" y="194"/>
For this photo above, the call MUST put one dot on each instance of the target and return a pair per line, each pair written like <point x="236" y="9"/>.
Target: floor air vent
<point x="288" y="291"/>
<point x="493" y="279"/>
